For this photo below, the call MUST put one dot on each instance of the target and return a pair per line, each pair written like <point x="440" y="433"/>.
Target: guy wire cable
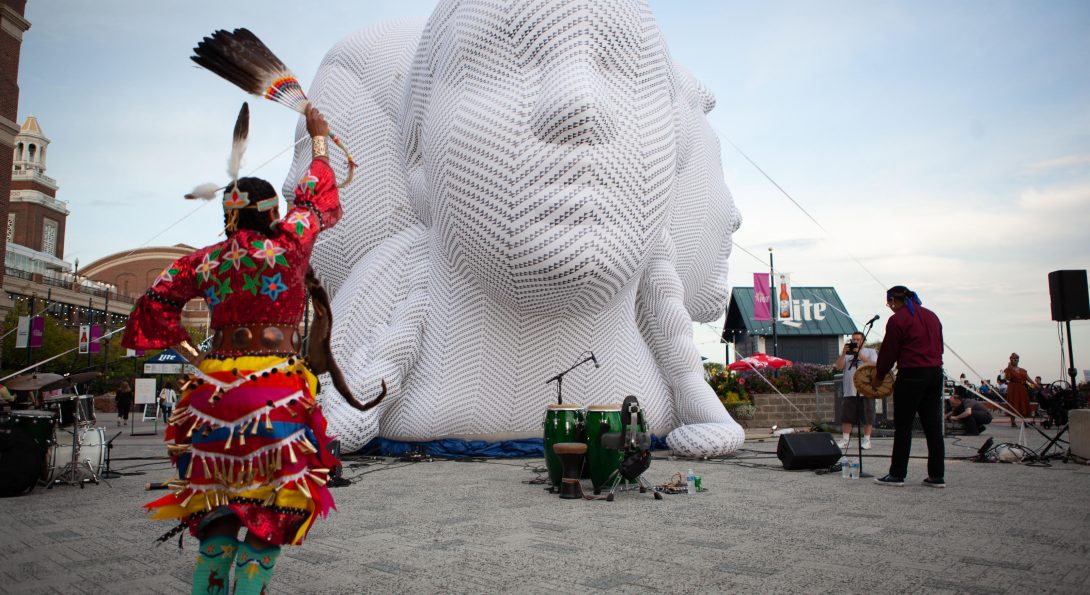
<point x="204" y="203"/>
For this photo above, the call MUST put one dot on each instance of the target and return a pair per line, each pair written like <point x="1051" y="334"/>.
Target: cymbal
<point x="32" y="381"/>
<point x="72" y="380"/>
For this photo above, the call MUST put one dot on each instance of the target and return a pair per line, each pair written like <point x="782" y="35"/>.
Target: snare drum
<point x="92" y="450"/>
<point x="67" y="408"/>
<point x="602" y="419"/>
<point x="87" y="409"/>
<point x="563" y="423"/>
<point x="38" y="424"/>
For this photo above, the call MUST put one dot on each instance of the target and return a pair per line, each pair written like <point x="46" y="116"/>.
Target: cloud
<point x="1057" y="199"/>
<point x="1060" y="163"/>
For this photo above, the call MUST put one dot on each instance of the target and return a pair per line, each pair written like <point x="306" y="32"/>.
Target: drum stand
<point x="614" y="482"/>
<point x="73" y="473"/>
<point x="107" y="473"/>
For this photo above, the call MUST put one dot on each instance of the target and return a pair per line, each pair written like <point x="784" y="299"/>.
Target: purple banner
<point x="96" y="334"/>
<point x="37" y="331"/>
<point x="762" y="300"/>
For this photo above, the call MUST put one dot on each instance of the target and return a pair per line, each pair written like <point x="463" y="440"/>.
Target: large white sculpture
<point x="537" y="179"/>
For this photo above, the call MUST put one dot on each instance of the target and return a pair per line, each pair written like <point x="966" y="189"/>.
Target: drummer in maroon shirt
<point x="913" y="341"/>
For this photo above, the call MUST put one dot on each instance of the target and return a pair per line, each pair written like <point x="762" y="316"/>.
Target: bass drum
<point x="92" y="451"/>
<point x="20" y="461"/>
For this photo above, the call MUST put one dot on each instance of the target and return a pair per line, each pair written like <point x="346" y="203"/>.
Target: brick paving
<point x="483" y="527"/>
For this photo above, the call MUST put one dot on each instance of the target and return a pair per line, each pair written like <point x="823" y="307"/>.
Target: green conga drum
<point x="563" y="423"/>
<point x="602" y="419"/>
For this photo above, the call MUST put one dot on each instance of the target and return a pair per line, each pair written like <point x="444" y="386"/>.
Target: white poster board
<point x="145" y="395"/>
<point x="145" y="391"/>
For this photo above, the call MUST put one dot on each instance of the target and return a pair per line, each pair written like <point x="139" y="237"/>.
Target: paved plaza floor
<point x="487" y="526"/>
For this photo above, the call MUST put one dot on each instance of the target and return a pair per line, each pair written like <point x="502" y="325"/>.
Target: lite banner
<point x="84" y="338"/>
<point x="37" y="331"/>
<point x="22" y="336"/>
<point x="784" y="293"/>
<point x="96" y="334"/>
<point x="762" y="300"/>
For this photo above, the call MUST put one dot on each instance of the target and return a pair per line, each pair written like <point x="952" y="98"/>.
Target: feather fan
<point x="245" y="61"/>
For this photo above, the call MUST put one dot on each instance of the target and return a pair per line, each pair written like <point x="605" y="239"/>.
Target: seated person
<point x="972" y="413"/>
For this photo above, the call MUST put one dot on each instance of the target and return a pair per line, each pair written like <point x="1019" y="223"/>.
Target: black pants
<point x="123" y="408"/>
<point x="974" y="424"/>
<point x="918" y="391"/>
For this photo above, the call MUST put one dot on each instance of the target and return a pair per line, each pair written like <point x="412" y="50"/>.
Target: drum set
<point x="58" y="443"/>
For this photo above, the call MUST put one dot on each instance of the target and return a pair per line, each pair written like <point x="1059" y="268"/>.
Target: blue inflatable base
<point x="453" y="448"/>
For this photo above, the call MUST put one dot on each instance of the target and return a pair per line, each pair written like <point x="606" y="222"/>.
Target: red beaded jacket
<point x="249" y="278"/>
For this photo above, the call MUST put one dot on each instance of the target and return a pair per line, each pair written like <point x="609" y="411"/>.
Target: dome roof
<point x="31" y="125"/>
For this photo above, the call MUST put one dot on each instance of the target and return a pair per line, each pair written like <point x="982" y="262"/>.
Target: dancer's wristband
<point x="319" y="147"/>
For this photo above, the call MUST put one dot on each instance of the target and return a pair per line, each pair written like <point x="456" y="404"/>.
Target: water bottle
<point x="691" y="480"/>
<point x="855" y="469"/>
<point x="845" y="467"/>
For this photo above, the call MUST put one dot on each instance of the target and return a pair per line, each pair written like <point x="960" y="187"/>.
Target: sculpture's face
<point x="542" y="147"/>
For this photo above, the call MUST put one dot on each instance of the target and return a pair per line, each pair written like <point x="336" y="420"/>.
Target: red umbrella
<point x="757" y="361"/>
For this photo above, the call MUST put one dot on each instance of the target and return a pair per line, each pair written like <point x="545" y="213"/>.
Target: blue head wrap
<point x="903" y="293"/>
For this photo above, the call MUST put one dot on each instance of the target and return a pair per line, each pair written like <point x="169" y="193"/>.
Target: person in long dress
<point x="1017" y="393"/>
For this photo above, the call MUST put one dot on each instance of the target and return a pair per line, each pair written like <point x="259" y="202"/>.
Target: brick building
<point x="12" y="27"/>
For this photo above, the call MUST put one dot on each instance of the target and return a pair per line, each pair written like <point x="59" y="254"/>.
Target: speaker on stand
<point x="1070" y="300"/>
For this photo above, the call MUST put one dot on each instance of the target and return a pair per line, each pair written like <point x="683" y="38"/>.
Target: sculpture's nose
<point x="574" y="110"/>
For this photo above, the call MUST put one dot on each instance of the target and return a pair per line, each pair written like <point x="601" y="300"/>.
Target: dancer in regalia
<point x="247" y="436"/>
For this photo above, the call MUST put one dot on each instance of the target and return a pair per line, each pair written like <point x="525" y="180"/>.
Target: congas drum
<point x="39" y="425"/>
<point x="92" y="451"/>
<point x="862" y="379"/>
<point x="563" y="423"/>
<point x="20" y="461"/>
<point x="66" y="407"/>
<point x="602" y="461"/>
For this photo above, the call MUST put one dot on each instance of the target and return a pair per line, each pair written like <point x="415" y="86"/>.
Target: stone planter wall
<point x="772" y="409"/>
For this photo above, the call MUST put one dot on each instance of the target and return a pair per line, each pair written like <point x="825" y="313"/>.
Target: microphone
<point x="873" y="320"/>
<point x="594" y="359"/>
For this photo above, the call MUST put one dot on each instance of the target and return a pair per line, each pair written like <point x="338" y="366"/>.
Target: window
<point x="11" y="227"/>
<point x="49" y="237"/>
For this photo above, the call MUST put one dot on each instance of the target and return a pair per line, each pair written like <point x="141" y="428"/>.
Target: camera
<point x="852" y="347"/>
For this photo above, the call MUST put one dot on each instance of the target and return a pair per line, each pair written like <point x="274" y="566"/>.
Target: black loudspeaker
<point x="1069" y="296"/>
<point x="812" y="450"/>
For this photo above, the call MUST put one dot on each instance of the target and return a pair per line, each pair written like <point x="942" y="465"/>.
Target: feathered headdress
<point x="245" y="61"/>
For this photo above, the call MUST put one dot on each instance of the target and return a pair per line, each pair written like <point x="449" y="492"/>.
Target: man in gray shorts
<point x="855" y="407"/>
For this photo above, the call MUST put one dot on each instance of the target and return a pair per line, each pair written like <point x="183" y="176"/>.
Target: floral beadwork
<point x="268" y="251"/>
<point x="308" y="185"/>
<point x="235" y="257"/>
<point x="272" y="286"/>
<point x="208" y="263"/>
<point x="167" y="276"/>
<point x="301" y="221"/>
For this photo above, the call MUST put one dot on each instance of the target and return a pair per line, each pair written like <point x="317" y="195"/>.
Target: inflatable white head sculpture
<point x="538" y="181"/>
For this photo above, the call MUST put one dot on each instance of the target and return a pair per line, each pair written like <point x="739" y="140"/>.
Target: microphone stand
<point x="559" y="378"/>
<point x="859" y="410"/>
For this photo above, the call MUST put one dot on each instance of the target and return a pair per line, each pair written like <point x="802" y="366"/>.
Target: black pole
<point x="90" y="321"/>
<point x="775" y="311"/>
<point x="859" y="409"/>
<point x="105" y="332"/>
<point x="1071" y="371"/>
<point x="29" y="314"/>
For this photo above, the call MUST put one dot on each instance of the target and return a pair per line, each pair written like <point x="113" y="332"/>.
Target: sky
<point x="944" y="146"/>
